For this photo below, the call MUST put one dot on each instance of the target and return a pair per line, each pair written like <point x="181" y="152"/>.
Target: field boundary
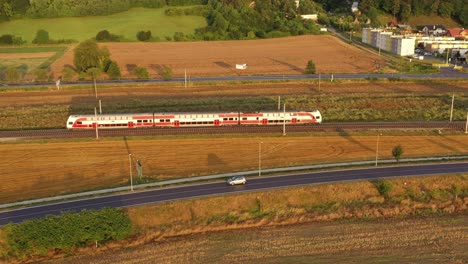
<point x="225" y="175"/>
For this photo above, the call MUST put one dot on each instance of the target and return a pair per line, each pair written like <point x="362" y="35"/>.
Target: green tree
<point x="310" y="68"/>
<point x="405" y="12"/>
<point x="141" y="72"/>
<point x="42" y="37"/>
<point x="114" y="70"/>
<point x="94" y="73"/>
<point x="397" y="152"/>
<point x="88" y="55"/>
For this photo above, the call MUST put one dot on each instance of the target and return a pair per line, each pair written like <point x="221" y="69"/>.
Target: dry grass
<point x="38" y="169"/>
<point x="181" y="232"/>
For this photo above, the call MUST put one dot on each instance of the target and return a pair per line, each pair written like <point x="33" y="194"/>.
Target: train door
<point x="264" y="121"/>
<point x="176" y="123"/>
<point x="294" y="120"/>
<point x="94" y="124"/>
<point x="216" y="122"/>
<point x="130" y="124"/>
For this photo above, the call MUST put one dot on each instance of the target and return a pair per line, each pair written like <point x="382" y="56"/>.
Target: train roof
<point x="187" y="113"/>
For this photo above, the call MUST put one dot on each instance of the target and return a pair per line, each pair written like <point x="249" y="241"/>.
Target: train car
<point x="278" y="118"/>
<point x="109" y="121"/>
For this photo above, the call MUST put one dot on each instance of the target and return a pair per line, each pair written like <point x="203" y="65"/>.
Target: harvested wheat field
<point x="428" y="240"/>
<point x="39" y="169"/>
<point x="266" y="56"/>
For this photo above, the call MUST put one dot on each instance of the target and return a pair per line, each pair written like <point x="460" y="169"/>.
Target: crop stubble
<point x="38" y="169"/>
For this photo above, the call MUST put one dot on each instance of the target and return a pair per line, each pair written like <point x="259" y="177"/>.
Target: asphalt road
<point x="220" y="188"/>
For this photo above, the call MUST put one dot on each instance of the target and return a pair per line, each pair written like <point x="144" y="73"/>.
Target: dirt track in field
<point x="267" y="56"/>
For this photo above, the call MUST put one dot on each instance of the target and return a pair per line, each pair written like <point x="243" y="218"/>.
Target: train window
<point x="225" y="119"/>
<point x="317" y="117"/>
<point x="139" y="121"/>
<point x="167" y="120"/>
<point x="79" y="122"/>
<point x="244" y="118"/>
<point x="161" y="120"/>
<point x="257" y="118"/>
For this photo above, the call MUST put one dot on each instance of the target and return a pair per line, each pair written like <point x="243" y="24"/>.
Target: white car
<point x="236" y="180"/>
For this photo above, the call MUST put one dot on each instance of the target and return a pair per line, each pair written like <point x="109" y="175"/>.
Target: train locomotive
<point x="151" y="120"/>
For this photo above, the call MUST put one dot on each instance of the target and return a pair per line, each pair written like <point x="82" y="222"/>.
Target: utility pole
<point x="260" y="158"/>
<point x="319" y="81"/>
<point x="284" y="119"/>
<point x="95" y="88"/>
<point x="96" y="123"/>
<point x="451" y="108"/>
<point x="185" y="78"/>
<point x="377" y="149"/>
<point x="279" y="103"/>
<point x="466" y="125"/>
<point x="131" y="177"/>
<point x="100" y="107"/>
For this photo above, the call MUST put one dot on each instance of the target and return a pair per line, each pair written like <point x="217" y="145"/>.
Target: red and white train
<point x="105" y="121"/>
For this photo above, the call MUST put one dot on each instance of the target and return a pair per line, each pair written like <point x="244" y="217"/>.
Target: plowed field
<point x="266" y="56"/>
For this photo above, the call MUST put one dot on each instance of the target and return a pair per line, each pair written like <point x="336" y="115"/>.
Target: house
<point x="354" y="7"/>
<point x="433" y="30"/>
<point x="458" y="33"/>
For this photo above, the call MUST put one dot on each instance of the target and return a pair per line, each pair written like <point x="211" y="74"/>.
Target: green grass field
<point x="126" y="24"/>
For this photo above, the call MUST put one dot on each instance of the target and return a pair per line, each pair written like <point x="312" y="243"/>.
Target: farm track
<point x="333" y="127"/>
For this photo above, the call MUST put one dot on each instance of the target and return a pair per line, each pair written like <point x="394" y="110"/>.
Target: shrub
<point x="41" y="75"/>
<point x="383" y="187"/>
<point x="13" y="75"/>
<point x="310" y="68"/>
<point x="397" y="152"/>
<point x="174" y="11"/>
<point x="66" y="231"/>
<point x="144" y="35"/>
<point x="68" y="74"/>
<point x="114" y="70"/>
<point x="179" y="36"/>
<point x="165" y="72"/>
<point x="42" y="37"/>
<point x="6" y="39"/>
<point x="141" y="72"/>
<point x="105" y="35"/>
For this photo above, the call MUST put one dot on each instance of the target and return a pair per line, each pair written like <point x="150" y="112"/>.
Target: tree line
<point x="15" y="9"/>
<point x="404" y="9"/>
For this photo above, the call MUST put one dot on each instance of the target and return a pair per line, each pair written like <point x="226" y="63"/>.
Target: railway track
<point x="332" y="127"/>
